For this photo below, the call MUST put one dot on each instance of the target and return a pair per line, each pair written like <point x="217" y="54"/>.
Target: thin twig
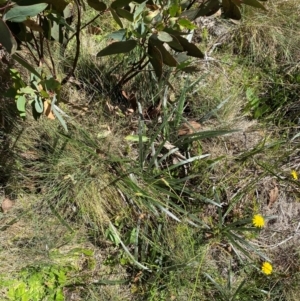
<point x="36" y="45"/>
<point x="85" y="25"/>
<point x="32" y="54"/>
<point x="41" y="35"/>
<point x="77" y="34"/>
<point x="135" y="69"/>
<point x="6" y="6"/>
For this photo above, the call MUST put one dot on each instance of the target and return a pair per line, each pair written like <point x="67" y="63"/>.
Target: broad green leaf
<point x="58" y="5"/>
<point x="254" y="3"/>
<point x="120" y="3"/>
<point x="119" y="35"/>
<point x="21" y="13"/>
<point x="173" y="32"/>
<point x="27" y="90"/>
<point x="52" y="84"/>
<point x="7" y="39"/>
<point x="138" y="10"/>
<point x="116" y="17"/>
<point x="21" y="102"/>
<point x="141" y="30"/>
<point x="182" y="58"/>
<point x="57" y="30"/>
<point x="149" y="16"/>
<point x="68" y="12"/>
<point x="125" y="14"/>
<point x="190" y="48"/>
<point x="38" y="104"/>
<point x="164" y="36"/>
<point x="118" y="47"/>
<point x="174" y="10"/>
<point x="206" y="8"/>
<point x="190" y="14"/>
<point x="168" y="59"/>
<point x="175" y="45"/>
<point x="156" y="60"/>
<point x="231" y="10"/>
<point x="97" y="5"/>
<point x="59" y="20"/>
<point x="186" y="24"/>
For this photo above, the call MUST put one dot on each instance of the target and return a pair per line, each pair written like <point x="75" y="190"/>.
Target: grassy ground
<point x="111" y="211"/>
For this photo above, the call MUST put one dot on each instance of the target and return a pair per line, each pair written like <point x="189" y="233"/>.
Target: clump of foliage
<point x="162" y="214"/>
<point x="158" y="29"/>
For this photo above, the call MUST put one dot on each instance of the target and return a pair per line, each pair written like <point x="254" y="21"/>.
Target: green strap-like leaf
<point x="164" y="36"/>
<point x="175" y="45"/>
<point x="25" y="64"/>
<point x="167" y="57"/>
<point x="190" y="48"/>
<point x="58" y="5"/>
<point x="119" y="35"/>
<point x="120" y="3"/>
<point x="7" y="39"/>
<point x="254" y="3"/>
<point x="231" y="10"/>
<point x="206" y="8"/>
<point x="97" y="5"/>
<point x="125" y="14"/>
<point x="116" y="17"/>
<point x="156" y="60"/>
<point x="21" y="103"/>
<point x="118" y="47"/>
<point x="20" y="13"/>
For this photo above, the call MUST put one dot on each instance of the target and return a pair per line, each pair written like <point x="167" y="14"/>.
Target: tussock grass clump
<point x="267" y="42"/>
<point x="269" y="38"/>
<point x="71" y="171"/>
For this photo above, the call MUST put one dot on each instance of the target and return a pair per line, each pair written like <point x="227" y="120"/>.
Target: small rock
<point x="6" y="205"/>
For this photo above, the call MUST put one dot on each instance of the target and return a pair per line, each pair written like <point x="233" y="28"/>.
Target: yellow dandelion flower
<point x="258" y="221"/>
<point x="294" y="174"/>
<point x="267" y="268"/>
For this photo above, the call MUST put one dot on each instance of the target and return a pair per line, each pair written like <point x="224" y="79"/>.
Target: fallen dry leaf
<point x="47" y="110"/>
<point x="189" y="127"/>
<point x="273" y="196"/>
<point x="33" y="25"/>
<point x="6" y="205"/>
<point x="153" y="111"/>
